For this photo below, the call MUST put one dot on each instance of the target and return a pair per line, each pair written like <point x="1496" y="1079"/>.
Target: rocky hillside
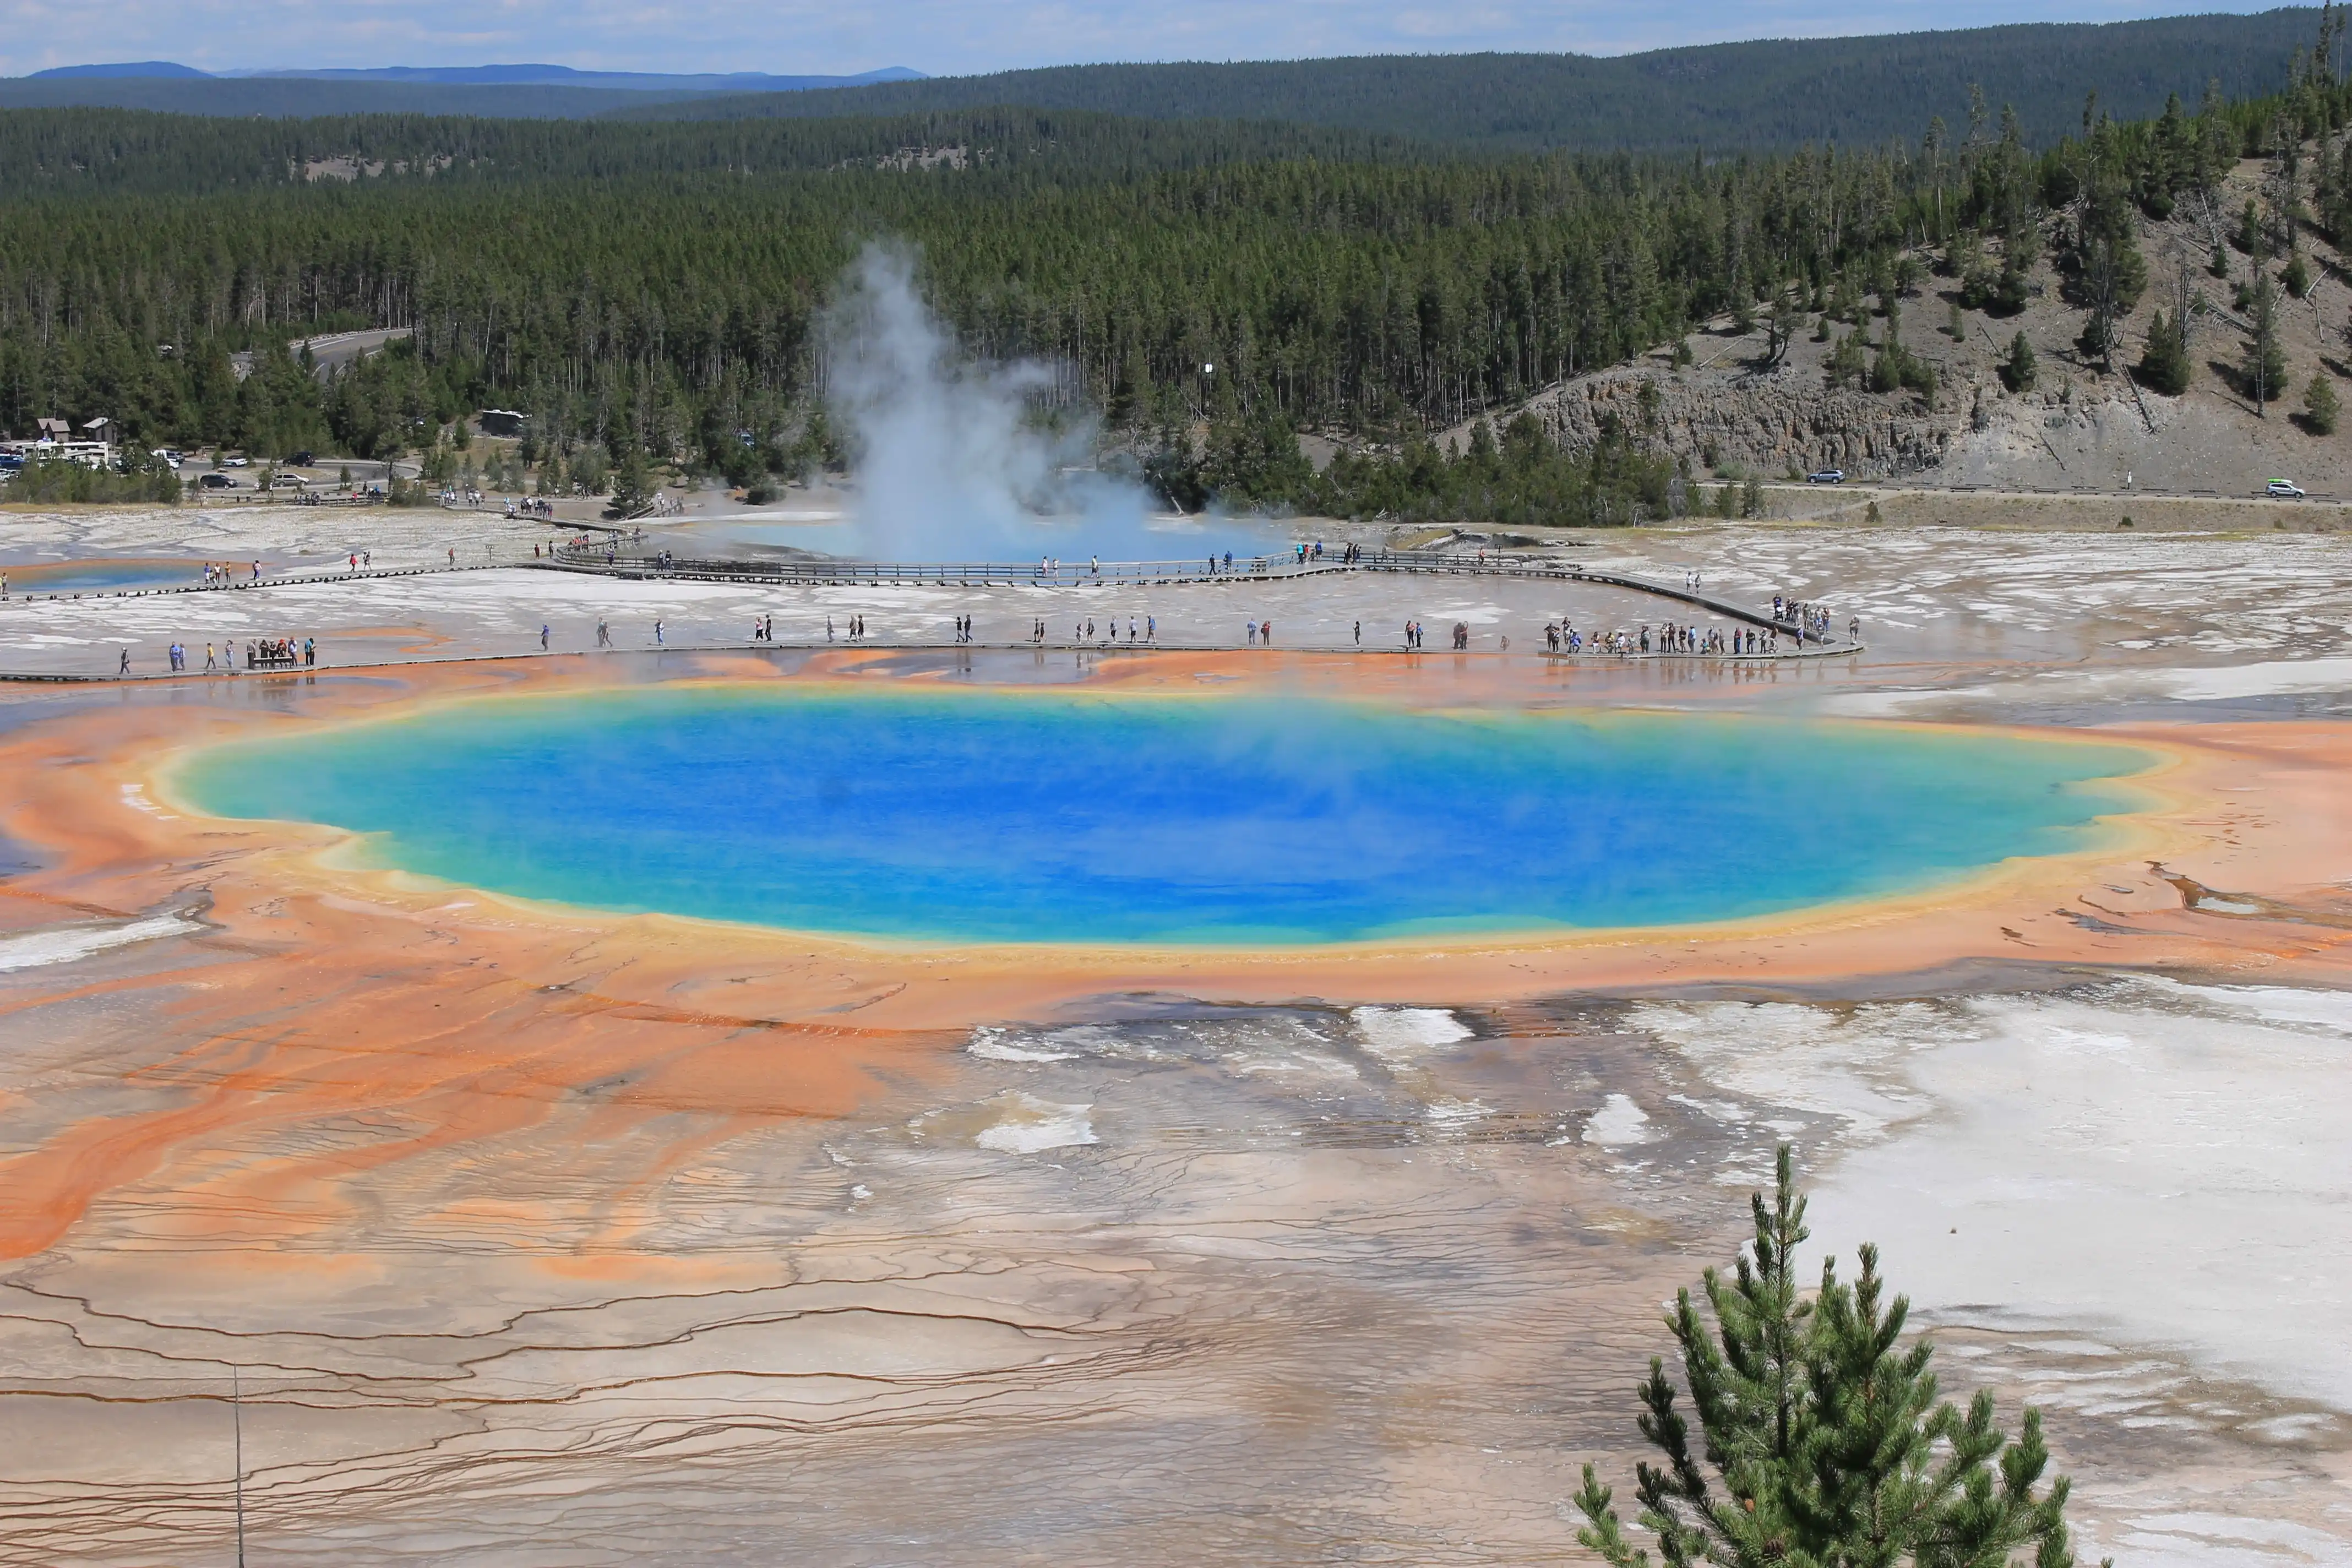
<point x="2079" y="428"/>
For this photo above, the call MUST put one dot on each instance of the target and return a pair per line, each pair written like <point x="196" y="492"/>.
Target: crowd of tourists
<point x="1561" y="637"/>
<point x="260" y="653"/>
<point x="280" y="653"/>
<point x="1813" y="621"/>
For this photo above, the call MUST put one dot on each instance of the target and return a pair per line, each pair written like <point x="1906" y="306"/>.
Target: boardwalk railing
<point x="819" y="571"/>
<point x="1047" y="573"/>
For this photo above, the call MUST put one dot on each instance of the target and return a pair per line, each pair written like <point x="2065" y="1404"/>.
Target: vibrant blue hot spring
<point x="102" y="574"/>
<point x="1081" y="818"/>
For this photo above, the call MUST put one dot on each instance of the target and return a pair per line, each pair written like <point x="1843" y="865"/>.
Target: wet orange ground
<point x="325" y="993"/>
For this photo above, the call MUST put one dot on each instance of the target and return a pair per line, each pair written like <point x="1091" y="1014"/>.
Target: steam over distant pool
<point x="965" y="816"/>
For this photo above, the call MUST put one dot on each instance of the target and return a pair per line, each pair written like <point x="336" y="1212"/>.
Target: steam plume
<point x="948" y="468"/>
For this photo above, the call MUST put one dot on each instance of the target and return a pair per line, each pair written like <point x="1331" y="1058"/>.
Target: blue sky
<point x="941" y="36"/>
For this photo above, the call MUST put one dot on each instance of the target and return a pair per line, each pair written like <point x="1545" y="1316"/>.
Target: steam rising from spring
<point x="949" y="467"/>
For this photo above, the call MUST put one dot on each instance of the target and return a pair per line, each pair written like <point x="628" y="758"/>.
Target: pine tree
<point x="1846" y="366"/>
<point x="2265" y="368"/>
<point x="631" y="490"/>
<point x="1781" y="329"/>
<point x="2249" y="237"/>
<point x="2018" y="371"/>
<point x="2319" y="406"/>
<point x="1822" y="1439"/>
<point x="2165" y="366"/>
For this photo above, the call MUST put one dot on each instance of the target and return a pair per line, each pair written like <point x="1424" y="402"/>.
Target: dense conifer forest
<point x="658" y="291"/>
<point x="1770" y="95"/>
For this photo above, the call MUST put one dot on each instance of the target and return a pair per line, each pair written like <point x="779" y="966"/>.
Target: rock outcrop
<point x="1768" y="423"/>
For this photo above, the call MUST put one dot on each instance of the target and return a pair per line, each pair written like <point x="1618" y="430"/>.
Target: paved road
<point x="1872" y="490"/>
<point x="332" y="351"/>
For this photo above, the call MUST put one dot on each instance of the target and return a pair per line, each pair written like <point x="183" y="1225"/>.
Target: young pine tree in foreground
<point x="1821" y="1443"/>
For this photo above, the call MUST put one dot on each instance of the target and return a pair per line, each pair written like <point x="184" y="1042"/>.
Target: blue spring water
<point x="1060" y="817"/>
<point x="83" y="576"/>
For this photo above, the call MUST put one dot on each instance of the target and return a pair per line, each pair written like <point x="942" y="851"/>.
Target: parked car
<point x="2281" y="488"/>
<point x="300" y="459"/>
<point x="215" y="481"/>
<point x="1826" y="477"/>
<point x="236" y="462"/>
<point x="289" y="482"/>
<point x="167" y="455"/>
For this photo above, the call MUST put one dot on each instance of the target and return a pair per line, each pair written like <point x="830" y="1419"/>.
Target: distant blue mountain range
<point x="504" y="76"/>
<point x="128" y="68"/>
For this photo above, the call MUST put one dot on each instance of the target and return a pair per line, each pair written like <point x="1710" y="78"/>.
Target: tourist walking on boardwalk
<point x="658" y="631"/>
<point x="126" y="663"/>
<point x="603" y="633"/>
<point x="1359" y="626"/>
<point x="542" y="636"/>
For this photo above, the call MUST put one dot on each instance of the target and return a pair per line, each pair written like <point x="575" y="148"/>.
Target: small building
<point x="503" y="421"/>
<point x="52" y="430"/>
